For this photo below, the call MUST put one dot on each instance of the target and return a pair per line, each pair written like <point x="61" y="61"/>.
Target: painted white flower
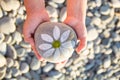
<point x="56" y="46"/>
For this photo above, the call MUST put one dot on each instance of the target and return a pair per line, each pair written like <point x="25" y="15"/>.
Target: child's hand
<point x="80" y="30"/>
<point x="30" y="26"/>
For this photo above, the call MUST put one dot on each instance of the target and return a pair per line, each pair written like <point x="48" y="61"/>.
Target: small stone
<point x="7" y="25"/>
<point x="63" y="14"/>
<point x="21" y="52"/>
<point x="105" y="9"/>
<point x="2" y="60"/>
<point x="1" y="13"/>
<point x="115" y="36"/>
<point x="98" y="3"/>
<point x="2" y="37"/>
<point x="106" y="34"/>
<point x="108" y="51"/>
<point x="53" y="4"/>
<point x="8" y="39"/>
<point x="106" y="19"/>
<point x="28" y="75"/>
<point x="3" y="48"/>
<point x="34" y="75"/>
<point x="89" y="66"/>
<point x="55" y="74"/>
<point x="116" y="3"/>
<point x="48" y="67"/>
<point x="9" y="5"/>
<point x="17" y="37"/>
<point x="53" y="19"/>
<point x="10" y="62"/>
<point x="59" y="1"/>
<point x="92" y="33"/>
<point x="25" y="45"/>
<point x="2" y="75"/>
<point x="15" y="72"/>
<point x="107" y="42"/>
<point x="96" y="21"/>
<point x="107" y="62"/>
<point x="22" y="78"/>
<point x="24" y="67"/>
<point x="52" y="11"/>
<point x="16" y="64"/>
<point x="11" y="52"/>
<point x="35" y="64"/>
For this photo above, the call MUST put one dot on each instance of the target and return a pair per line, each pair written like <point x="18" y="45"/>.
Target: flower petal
<point x="45" y="46"/>
<point x="65" y="52"/>
<point x="56" y="54"/>
<point x="65" y="36"/>
<point x="48" y="53"/>
<point x="67" y="44"/>
<point x="47" y="37"/>
<point x="56" y="32"/>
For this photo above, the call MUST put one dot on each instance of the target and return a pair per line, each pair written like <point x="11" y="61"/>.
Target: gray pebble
<point x="48" y="67"/>
<point x="55" y="74"/>
<point x="15" y="72"/>
<point x="11" y="52"/>
<point x="21" y="52"/>
<point x="52" y="11"/>
<point x="63" y="14"/>
<point x="10" y="62"/>
<point x="24" y="67"/>
<point x="7" y="25"/>
<point x="34" y="75"/>
<point x="105" y="9"/>
<point x="107" y="42"/>
<point x="35" y="64"/>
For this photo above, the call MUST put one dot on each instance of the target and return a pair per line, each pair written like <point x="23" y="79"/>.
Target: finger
<point x="37" y="54"/>
<point x="81" y="45"/>
<point x="31" y="41"/>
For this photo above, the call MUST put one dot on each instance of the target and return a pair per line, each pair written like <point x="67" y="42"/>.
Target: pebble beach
<point x="100" y="60"/>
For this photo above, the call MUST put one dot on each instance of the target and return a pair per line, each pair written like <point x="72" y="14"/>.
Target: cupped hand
<point x="30" y="25"/>
<point x="80" y="29"/>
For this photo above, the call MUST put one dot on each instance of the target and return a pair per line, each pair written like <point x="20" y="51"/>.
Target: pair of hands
<point x="34" y="19"/>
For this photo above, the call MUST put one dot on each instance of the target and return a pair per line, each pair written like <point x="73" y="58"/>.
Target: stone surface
<point x="9" y="5"/>
<point x="24" y="67"/>
<point x="107" y="62"/>
<point x="3" y="48"/>
<point x="48" y="67"/>
<point x="63" y="14"/>
<point x="10" y="62"/>
<point x="105" y="9"/>
<point x="47" y="30"/>
<point x="11" y="52"/>
<point x="2" y="37"/>
<point x="58" y="1"/>
<point x="92" y="33"/>
<point x="35" y="64"/>
<point x="7" y="25"/>
<point x="2" y="60"/>
<point x="116" y="3"/>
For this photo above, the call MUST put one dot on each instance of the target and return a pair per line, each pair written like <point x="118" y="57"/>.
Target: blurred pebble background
<point x="99" y="61"/>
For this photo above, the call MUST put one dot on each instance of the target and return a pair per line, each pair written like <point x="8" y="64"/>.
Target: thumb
<point x="82" y="44"/>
